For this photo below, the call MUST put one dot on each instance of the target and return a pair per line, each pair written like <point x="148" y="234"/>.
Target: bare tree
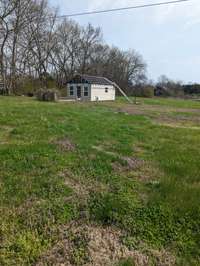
<point x="169" y="87"/>
<point x="7" y="7"/>
<point x="65" y="53"/>
<point x="124" y="67"/>
<point x="41" y="38"/>
<point x="19" y="21"/>
<point x="35" y="46"/>
<point x="90" y="37"/>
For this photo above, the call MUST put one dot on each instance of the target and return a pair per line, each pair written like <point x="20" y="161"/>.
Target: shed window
<point x="106" y="90"/>
<point x="71" y="91"/>
<point x="86" y="91"/>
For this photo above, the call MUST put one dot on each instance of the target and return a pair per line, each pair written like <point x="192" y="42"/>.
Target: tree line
<point x="39" y="50"/>
<point x="168" y="87"/>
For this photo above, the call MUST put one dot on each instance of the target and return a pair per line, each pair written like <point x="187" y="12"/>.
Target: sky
<point x="168" y="37"/>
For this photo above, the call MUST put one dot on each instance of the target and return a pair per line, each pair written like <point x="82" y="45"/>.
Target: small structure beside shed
<point x="2" y="86"/>
<point x="160" y="91"/>
<point x="91" y="88"/>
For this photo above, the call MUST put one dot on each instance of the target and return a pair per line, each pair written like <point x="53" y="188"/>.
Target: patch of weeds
<point x="46" y="213"/>
<point x="126" y="262"/>
<point x="79" y="242"/>
<point x="32" y="229"/>
<point x="153" y="256"/>
<point x="132" y="242"/>
<point x="156" y="225"/>
<point x="111" y="207"/>
<point x="159" y="226"/>
<point x="25" y="248"/>
<point x="127" y="164"/>
<point x="154" y="184"/>
<point x="64" y="144"/>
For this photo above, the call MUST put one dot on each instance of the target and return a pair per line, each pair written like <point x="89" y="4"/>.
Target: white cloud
<point x="187" y="12"/>
<point x="103" y="4"/>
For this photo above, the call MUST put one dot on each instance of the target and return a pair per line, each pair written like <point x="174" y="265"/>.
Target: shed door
<point x="78" y="92"/>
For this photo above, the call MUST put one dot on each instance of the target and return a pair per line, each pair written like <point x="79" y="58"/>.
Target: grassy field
<point x="99" y="183"/>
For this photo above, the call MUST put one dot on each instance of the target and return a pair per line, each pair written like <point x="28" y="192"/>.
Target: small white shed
<point x="91" y="88"/>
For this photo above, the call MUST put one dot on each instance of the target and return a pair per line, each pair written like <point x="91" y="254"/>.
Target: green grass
<point x="171" y="102"/>
<point x="157" y="204"/>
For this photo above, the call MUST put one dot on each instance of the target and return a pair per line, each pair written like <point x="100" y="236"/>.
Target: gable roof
<point x="91" y="80"/>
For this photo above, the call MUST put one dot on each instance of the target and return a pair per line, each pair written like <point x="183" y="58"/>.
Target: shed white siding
<point x="102" y="92"/>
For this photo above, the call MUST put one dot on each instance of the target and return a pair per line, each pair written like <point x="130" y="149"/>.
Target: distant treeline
<point x="165" y="87"/>
<point x="191" y="89"/>
<point x="38" y="50"/>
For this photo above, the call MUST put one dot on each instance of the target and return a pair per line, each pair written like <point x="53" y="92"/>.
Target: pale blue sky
<point x="168" y="37"/>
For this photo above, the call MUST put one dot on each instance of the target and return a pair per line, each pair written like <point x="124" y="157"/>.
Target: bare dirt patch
<point x="4" y="134"/>
<point x="82" y="189"/>
<point x="162" y="257"/>
<point x="133" y="166"/>
<point x="90" y="245"/>
<point x="133" y="162"/>
<point x="138" y="148"/>
<point x="138" y="169"/>
<point x="131" y="110"/>
<point x="173" y="125"/>
<point x="102" y="149"/>
<point x="166" y="116"/>
<point x="179" y="122"/>
<point x="154" y="110"/>
<point x="65" y="144"/>
<point x="130" y="164"/>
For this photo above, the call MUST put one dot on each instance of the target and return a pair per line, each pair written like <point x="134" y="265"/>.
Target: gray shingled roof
<point x="92" y="80"/>
<point x="97" y="80"/>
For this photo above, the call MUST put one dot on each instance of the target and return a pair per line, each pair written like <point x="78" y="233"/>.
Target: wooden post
<point x="123" y="93"/>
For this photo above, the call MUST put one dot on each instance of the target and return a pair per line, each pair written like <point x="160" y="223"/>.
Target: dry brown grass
<point x="185" y="122"/>
<point x="81" y="186"/>
<point x="130" y="164"/>
<point x="165" y="115"/>
<point x="5" y="133"/>
<point x="64" y="144"/>
<point x="141" y="109"/>
<point x="90" y="244"/>
<point x="102" y="148"/>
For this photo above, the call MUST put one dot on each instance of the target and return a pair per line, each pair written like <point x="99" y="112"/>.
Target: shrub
<point x="39" y="94"/>
<point x="111" y="208"/>
<point x="50" y="95"/>
<point x="126" y="262"/>
<point x="148" y="92"/>
<point x="155" y="224"/>
<point x="144" y="91"/>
